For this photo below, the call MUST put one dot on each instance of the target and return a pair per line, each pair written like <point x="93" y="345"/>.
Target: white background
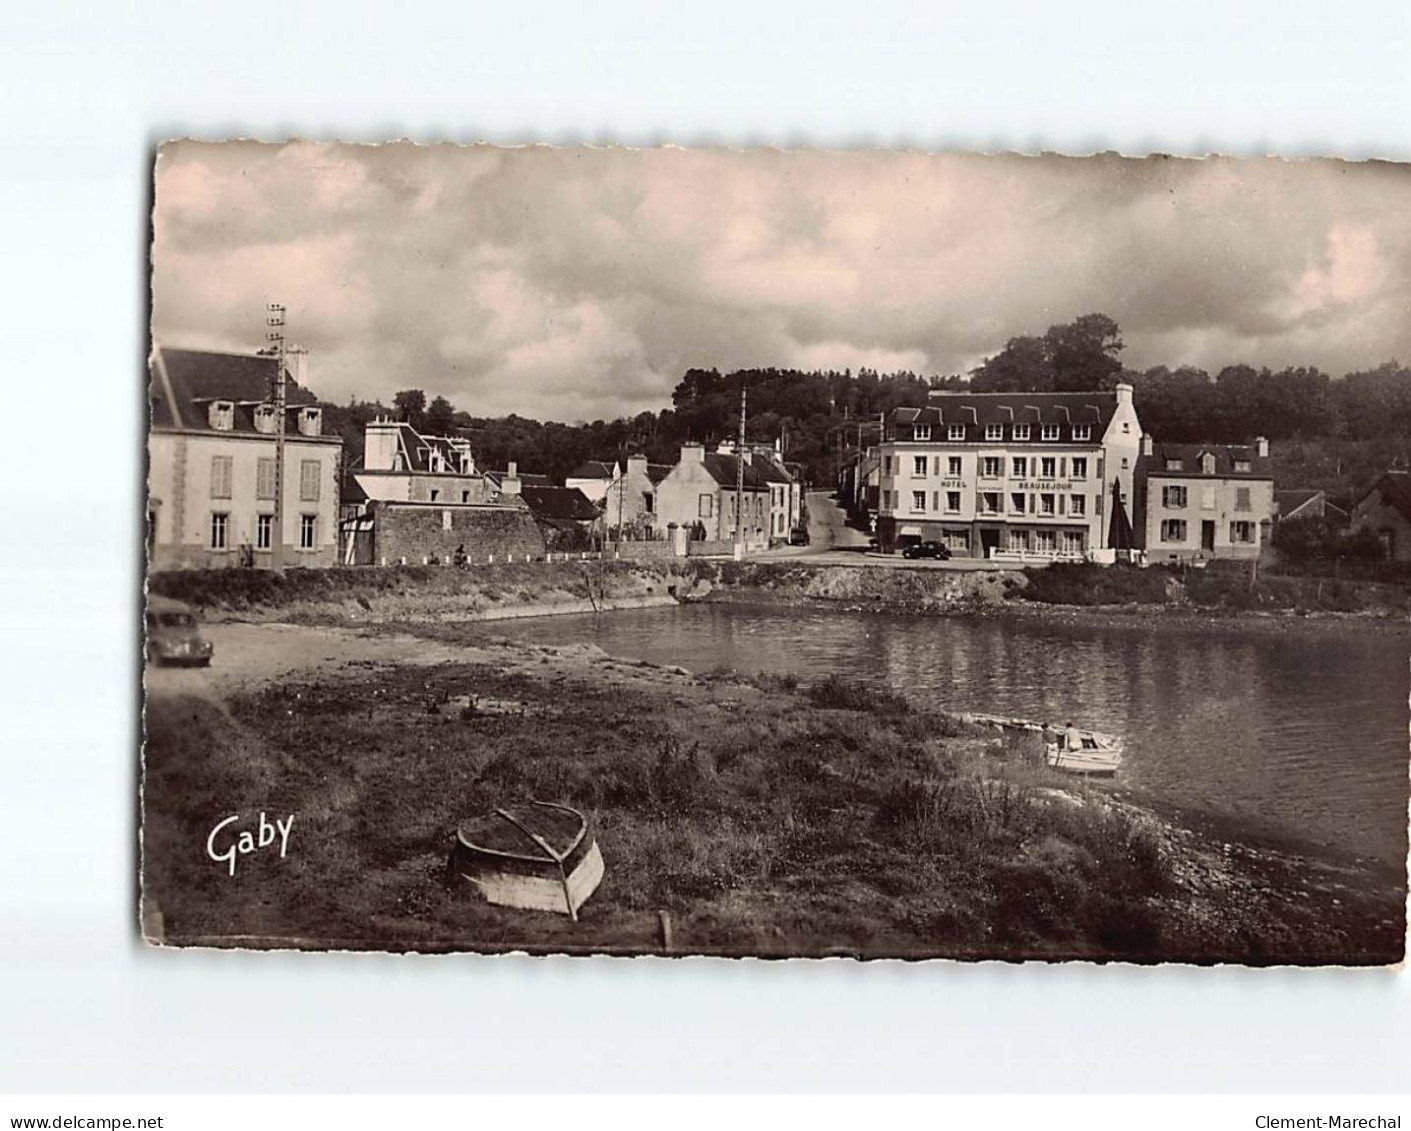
<point x="84" y="95"/>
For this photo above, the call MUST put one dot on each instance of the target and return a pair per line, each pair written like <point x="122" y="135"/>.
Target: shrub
<point x="1085" y="583"/>
<point x="841" y="694"/>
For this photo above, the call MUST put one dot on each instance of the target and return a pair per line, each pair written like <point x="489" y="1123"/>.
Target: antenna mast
<point x="740" y="479"/>
<point x="274" y="319"/>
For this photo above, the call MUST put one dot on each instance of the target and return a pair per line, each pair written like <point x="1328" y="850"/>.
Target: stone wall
<point x="417" y="532"/>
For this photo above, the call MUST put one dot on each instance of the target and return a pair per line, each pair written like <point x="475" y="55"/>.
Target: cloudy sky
<point x="574" y="284"/>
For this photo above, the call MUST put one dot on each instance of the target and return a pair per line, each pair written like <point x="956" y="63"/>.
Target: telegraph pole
<point x="740" y="479"/>
<point x="274" y="318"/>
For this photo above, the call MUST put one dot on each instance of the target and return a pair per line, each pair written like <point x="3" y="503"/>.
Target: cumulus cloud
<point x="581" y="283"/>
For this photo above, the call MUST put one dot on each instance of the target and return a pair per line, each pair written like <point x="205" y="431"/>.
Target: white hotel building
<point x="1000" y="474"/>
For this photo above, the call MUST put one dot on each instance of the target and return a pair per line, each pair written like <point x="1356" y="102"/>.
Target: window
<point x="1242" y="533"/>
<point x="705" y="506"/>
<point x="222" y="415"/>
<point x="918" y="500"/>
<point x="308" y="480"/>
<point x="1019" y="540"/>
<point x="953" y="502"/>
<point x="1017" y="502"/>
<point x="264" y="479"/>
<point x="953" y="467"/>
<point x="989" y="502"/>
<point x="1074" y="541"/>
<point x="956" y="540"/>
<point x="994" y="431"/>
<point x="220" y="477"/>
<point x="264" y="531"/>
<point x="1125" y="463"/>
<point x="465" y="496"/>
<point x="308" y="524"/>
<point x="1048" y="432"/>
<point x="921" y="432"/>
<point x="1048" y="467"/>
<point x="1241" y="498"/>
<point x="435" y="494"/>
<point x="1173" y="464"/>
<point x="886" y="465"/>
<point x="1207" y="464"/>
<point x="918" y="466"/>
<point x="955" y="432"/>
<point x="1021" y="431"/>
<point x="1173" y="498"/>
<point x="1046" y="503"/>
<point x="220" y="531"/>
<point x="992" y="467"/>
<point x="1173" y="530"/>
<point x="1021" y="466"/>
<point x="649" y="502"/>
<point x="1241" y="465"/>
<point x="1082" y="431"/>
<point x="1044" y="541"/>
<point x="1080" y="467"/>
<point x="1078" y="506"/>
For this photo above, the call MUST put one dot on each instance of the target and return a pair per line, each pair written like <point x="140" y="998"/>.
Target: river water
<point x="1301" y="732"/>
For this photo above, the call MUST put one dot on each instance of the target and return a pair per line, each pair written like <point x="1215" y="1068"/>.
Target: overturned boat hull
<point x="538" y="858"/>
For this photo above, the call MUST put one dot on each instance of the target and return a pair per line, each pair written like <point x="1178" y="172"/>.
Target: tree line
<point x="821" y="416"/>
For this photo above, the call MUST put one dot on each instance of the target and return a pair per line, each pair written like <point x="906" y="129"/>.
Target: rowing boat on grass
<point x="1070" y="749"/>
<point x="540" y="857"/>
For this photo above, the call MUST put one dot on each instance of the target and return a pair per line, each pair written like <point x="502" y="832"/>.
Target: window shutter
<point x="220" y="477"/>
<point x="308" y="480"/>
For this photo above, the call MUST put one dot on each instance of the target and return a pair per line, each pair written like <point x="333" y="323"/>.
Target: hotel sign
<point x="1043" y="485"/>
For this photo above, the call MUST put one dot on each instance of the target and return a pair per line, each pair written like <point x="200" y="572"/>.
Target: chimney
<point x="380" y="449"/>
<point x="1124" y="393"/>
<point x="1148" y="446"/>
<point x="509" y="482"/>
<point x="636" y="466"/>
<point x="1261" y="445"/>
<point x="512" y="469"/>
<point x="692" y="453"/>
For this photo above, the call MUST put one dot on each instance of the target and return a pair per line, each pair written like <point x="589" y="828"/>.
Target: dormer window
<point x="222" y="415"/>
<point x="994" y="431"/>
<point x="1207" y="464"/>
<point x="1021" y="431"/>
<point x="1175" y="465"/>
<point x="1082" y="431"/>
<point x="265" y="417"/>
<point x="921" y="432"/>
<point x="310" y="421"/>
<point x="955" y="432"/>
<point x="1242" y="465"/>
<point x="1048" y="432"/>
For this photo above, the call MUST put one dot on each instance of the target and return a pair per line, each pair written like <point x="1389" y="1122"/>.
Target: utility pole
<point x="740" y="479"/>
<point x="274" y="318"/>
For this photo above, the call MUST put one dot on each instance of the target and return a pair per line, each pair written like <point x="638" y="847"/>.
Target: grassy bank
<point x="762" y="818"/>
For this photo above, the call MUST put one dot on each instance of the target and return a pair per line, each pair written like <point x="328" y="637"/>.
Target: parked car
<point x="926" y="550"/>
<point x="798" y="536"/>
<point x="174" y="635"/>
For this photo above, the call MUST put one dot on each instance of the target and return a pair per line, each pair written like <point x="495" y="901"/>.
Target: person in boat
<point x="1073" y="738"/>
<point x="1053" y="737"/>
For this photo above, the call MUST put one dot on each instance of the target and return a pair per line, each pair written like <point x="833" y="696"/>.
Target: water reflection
<point x="1305" y="732"/>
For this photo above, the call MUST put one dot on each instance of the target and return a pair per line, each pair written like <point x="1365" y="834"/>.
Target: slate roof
<point x="1291" y="501"/>
<point x="1395" y="488"/>
<point x="725" y="470"/>
<point x="558" y="502"/>
<point x="591" y="469"/>
<point x="526" y="478"/>
<point x="417" y="450"/>
<point x="979" y="409"/>
<point x="1260" y="467"/>
<point x="183" y="383"/>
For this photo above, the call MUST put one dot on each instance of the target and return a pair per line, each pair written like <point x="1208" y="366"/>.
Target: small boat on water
<point x="540" y="857"/>
<point x="1070" y="749"/>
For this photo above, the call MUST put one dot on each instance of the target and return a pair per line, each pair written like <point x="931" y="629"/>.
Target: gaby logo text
<point x="247" y="841"/>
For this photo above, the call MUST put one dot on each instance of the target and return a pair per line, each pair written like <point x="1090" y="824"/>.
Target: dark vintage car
<point x="926" y="550"/>
<point x="798" y="536"/>
<point x="173" y="634"/>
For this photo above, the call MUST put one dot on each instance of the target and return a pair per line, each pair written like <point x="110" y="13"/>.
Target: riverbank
<point x="760" y="817"/>
<point x="374" y="595"/>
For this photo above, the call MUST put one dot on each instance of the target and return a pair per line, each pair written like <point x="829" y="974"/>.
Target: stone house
<point x="1386" y="511"/>
<point x="1205" y="501"/>
<point x="701" y="489"/>
<point x="212" y="465"/>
